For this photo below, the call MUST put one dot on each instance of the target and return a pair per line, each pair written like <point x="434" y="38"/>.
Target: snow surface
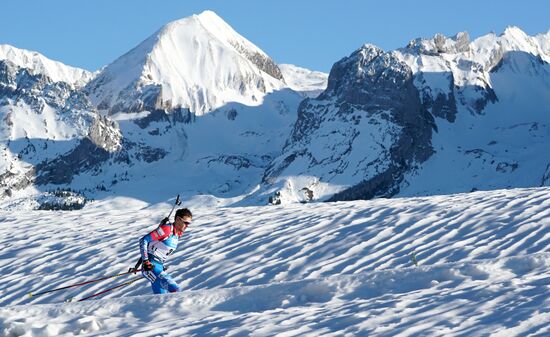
<point x="324" y="269"/>
<point x="309" y="82"/>
<point x="39" y="64"/>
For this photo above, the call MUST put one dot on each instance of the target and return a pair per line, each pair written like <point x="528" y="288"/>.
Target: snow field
<point x="330" y="269"/>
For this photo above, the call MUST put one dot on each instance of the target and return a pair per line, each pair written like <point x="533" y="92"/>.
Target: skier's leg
<point x="168" y="283"/>
<point x="157" y="287"/>
<point x="154" y="277"/>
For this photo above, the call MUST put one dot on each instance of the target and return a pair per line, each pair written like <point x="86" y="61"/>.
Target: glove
<point x="164" y="221"/>
<point x="164" y="268"/>
<point x="136" y="267"/>
<point x="147" y="265"/>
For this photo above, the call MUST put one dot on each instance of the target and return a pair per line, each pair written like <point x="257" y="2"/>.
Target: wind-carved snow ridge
<point x="197" y="63"/>
<point x="465" y="264"/>
<point x="37" y="63"/>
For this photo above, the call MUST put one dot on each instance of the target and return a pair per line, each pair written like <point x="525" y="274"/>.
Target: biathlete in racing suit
<point x="155" y="248"/>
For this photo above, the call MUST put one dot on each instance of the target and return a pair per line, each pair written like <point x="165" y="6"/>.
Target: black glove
<point x="164" y="268"/>
<point x="164" y="221"/>
<point x="147" y="265"/>
<point x="136" y="267"/>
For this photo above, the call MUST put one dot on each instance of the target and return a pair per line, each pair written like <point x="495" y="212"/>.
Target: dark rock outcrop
<point x="369" y="92"/>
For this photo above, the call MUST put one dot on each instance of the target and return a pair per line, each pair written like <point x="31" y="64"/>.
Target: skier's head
<point x="183" y="212"/>
<point x="183" y="217"/>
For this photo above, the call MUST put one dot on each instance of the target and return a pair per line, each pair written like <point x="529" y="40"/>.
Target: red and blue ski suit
<point x="155" y="247"/>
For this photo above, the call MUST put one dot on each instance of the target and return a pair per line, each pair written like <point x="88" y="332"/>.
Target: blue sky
<point x="307" y="33"/>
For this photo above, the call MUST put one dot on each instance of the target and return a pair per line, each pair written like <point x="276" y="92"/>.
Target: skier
<point x="155" y="248"/>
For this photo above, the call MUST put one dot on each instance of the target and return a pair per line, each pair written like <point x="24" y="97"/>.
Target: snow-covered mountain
<point x="42" y="119"/>
<point x="368" y="122"/>
<point x="491" y="103"/>
<point x="324" y="269"/>
<point x="37" y="63"/>
<point x="198" y="109"/>
<point x="442" y="115"/>
<point x="222" y="153"/>
<point x="197" y="63"/>
<point x="310" y="83"/>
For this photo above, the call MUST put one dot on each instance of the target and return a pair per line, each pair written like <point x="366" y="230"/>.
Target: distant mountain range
<point x="198" y="109"/>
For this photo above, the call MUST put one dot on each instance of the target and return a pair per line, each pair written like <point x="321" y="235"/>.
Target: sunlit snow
<point x="326" y="269"/>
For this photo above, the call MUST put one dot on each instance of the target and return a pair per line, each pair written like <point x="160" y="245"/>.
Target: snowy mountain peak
<point x="489" y="46"/>
<point x="441" y="44"/>
<point x="514" y="31"/>
<point x="514" y="39"/>
<point x="198" y="63"/>
<point x="369" y="50"/>
<point x="309" y="83"/>
<point x="351" y="75"/>
<point x="544" y="43"/>
<point x="37" y="63"/>
<point x="220" y="29"/>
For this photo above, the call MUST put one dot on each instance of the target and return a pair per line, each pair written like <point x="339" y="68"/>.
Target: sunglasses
<point x="187" y="223"/>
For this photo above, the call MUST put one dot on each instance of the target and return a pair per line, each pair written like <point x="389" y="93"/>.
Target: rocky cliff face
<point x="19" y="85"/>
<point x="51" y="133"/>
<point x="488" y="98"/>
<point x="368" y="128"/>
<point x="448" y="72"/>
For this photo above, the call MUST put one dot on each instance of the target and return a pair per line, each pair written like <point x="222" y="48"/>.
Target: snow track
<point x="334" y="269"/>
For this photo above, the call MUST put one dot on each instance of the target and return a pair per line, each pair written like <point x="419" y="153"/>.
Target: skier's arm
<point x="143" y="244"/>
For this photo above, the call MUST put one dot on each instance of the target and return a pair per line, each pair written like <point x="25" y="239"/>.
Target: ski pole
<point x="108" y="289"/>
<point x="82" y="283"/>
<point x="177" y="203"/>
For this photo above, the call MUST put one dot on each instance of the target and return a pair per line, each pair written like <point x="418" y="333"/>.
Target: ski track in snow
<point x="324" y="269"/>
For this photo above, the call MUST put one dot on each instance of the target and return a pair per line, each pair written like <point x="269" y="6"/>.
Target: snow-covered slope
<point x="219" y="157"/>
<point x="37" y="63"/>
<point x="198" y="63"/>
<point x="338" y="269"/>
<point x="310" y="83"/>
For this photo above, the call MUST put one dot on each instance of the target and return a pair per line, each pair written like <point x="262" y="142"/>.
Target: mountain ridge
<point x="38" y="63"/>
<point x="388" y="123"/>
<point x="464" y="85"/>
